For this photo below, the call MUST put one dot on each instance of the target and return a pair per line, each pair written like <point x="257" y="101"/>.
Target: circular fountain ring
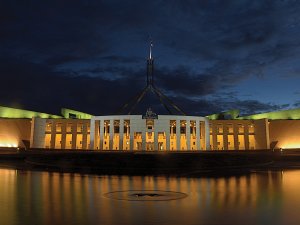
<point x="145" y="195"/>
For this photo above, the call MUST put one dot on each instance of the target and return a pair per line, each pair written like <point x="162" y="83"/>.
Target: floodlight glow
<point x="8" y="144"/>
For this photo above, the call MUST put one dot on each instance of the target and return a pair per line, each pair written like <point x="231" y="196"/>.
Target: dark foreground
<point x="208" y="163"/>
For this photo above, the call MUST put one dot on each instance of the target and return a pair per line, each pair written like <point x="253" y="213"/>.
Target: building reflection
<point x="57" y="198"/>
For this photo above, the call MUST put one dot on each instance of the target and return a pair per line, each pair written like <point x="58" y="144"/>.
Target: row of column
<point x="238" y="144"/>
<point x="74" y="133"/>
<point x="97" y="131"/>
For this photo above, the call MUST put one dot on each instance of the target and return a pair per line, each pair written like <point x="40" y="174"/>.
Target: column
<point x="97" y="135"/>
<point x="53" y="135"/>
<point x="111" y="135"/>
<point x="101" y="135"/>
<point x="225" y="136"/>
<point x="121" y="134"/>
<point x="188" y="135"/>
<point x="246" y="136"/>
<point x="207" y="144"/>
<point x="131" y="147"/>
<point x="235" y="136"/>
<point x="198" y="130"/>
<point x="74" y="135"/>
<point x="37" y="133"/>
<point x="63" y="135"/>
<point x="143" y="140"/>
<point x="156" y="141"/>
<point x="168" y="137"/>
<point x="92" y="133"/>
<point x="214" y="136"/>
<point x="84" y="135"/>
<point x="178" y="135"/>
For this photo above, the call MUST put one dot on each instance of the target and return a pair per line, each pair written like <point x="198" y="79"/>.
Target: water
<point x="29" y="197"/>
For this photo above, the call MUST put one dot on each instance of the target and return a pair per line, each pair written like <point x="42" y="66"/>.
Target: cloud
<point x="89" y="55"/>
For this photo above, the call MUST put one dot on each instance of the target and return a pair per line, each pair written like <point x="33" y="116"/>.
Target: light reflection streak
<point x="62" y="198"/>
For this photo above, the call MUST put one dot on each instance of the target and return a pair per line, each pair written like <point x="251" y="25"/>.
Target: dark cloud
<point x="90" y="55"/>
<point x="39" y="88"/>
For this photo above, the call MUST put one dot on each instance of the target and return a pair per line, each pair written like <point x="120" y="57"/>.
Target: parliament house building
<point x="129" y="131"/>
<point x="149" y="132"/>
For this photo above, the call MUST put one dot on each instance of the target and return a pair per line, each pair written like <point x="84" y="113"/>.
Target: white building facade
<point x="136" y="132"/>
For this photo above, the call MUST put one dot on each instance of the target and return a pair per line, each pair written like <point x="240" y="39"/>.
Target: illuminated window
<point x="251" y="128"/>
<point x="241" y="128"/>
<point x="116" y="126"/>
<point x="48" y="127"/>
<point x="116" y="130"/>
<point x="79" y="127"/>
<point x="172" y="127"/>
<point x="137" y="134"/>
<point x="58" y="127"/>
<point x="69" y="127"/>
<point x="161" y="135"/>
<point x="127" y="127"/>
<point x="193" y="127"/>
<point x="230" y="128"/>
<point x="150" y="124"/>
<point x="220" y="128"/>
<point x="106" y="127"/>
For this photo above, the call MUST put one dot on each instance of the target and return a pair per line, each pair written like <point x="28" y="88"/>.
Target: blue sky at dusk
<point x="210" y="56"/>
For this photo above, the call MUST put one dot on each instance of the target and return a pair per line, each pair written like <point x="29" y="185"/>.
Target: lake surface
<point x="30" y="197"/>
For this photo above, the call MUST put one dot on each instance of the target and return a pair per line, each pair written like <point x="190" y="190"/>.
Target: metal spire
<point x="151" y="45"/>
<point x="150" y="64"/>
<point x="164" y="100"/>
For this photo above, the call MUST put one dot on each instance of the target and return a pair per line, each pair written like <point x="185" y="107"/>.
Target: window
<point x="58" y="127"/>
<point x="79" y="127"/>
<point x="241" y="128"/>
<point x="230" y="128"/>
<point x="69" y="127"/>
<point x="149" y="124"/>
<point x="182" y="126"/>
<point x="116" y="129"/>
<point x="220" y="128"/>
<point x="48" y="127"/>
<point x="251" y="128"/>
<point x="182" y="130"/>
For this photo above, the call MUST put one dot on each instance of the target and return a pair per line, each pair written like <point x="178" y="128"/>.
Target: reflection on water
<point x="28" y="197"/>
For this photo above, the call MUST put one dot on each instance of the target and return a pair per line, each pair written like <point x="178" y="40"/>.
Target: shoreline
<point x="179" y="164"/>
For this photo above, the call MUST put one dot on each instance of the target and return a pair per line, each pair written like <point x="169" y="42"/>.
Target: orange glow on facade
<point x="291" y="145"/>
<point x="8" y="142"/>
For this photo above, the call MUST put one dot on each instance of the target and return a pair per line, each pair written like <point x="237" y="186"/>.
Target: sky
<point x="90" y="55"/>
